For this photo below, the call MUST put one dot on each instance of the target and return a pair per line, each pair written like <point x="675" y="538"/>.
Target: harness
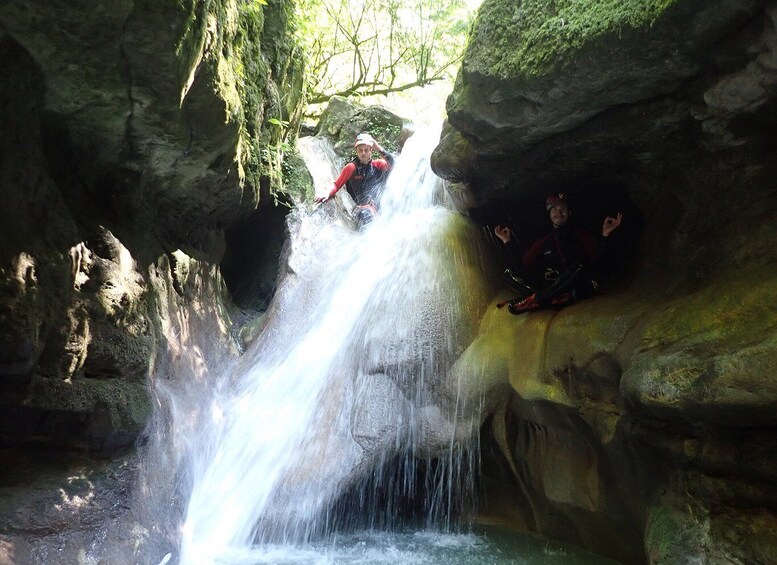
<point x="562" y="250"/>
<point x="362" y="186"/>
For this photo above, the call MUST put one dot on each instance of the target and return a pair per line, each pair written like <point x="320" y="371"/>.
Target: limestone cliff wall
<point x="642" y="423"/>
<point x="134" y="138"/>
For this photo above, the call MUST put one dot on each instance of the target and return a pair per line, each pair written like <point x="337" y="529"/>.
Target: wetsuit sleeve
<point x="602" y="249"/>
<point x="603" y="254"/>
<point x="388" y="161"/>
<point x="593" y="250"/>
<point x="345" y="174"/>
<point x="384" y="165"/>
<point x="512" y="251"/>
<point x="530" y="257"/>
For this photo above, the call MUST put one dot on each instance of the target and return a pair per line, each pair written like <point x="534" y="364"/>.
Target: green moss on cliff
<point x="251" y="77"/>
<point x="296" y="179"/>
<point x="247" y="48"/>
<point x="533" y="37"/>
<point x="269" y="83"/>
<point x="663" y="534"/>
<point x="191" y="43"/>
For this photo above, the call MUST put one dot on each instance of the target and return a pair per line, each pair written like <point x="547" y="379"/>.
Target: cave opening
<point x="590" y="202"/>
<point x="252" y="257"/>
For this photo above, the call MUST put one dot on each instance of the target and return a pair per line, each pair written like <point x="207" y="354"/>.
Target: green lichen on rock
<point x="533" y="37"/>
<point x="248" y="49"/>
<point x="709" y="357"/>
<point x="671" y="537"/>
<point x="728" y="313"/>
<point x="296" y="179"/>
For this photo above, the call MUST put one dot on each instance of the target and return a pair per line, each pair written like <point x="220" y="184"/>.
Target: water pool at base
<point x="484" y="546"/>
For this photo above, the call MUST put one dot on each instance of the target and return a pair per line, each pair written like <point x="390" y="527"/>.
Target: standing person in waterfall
<point x="363" y="178"/>
<point x="559" y="268"/>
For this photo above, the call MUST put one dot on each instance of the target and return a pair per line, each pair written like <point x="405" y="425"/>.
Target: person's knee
<point x="363" y="217"/>
<point x="519" y="283"/>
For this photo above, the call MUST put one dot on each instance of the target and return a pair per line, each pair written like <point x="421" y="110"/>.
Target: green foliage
<point x="379" y="47"/>
<point x="297" y="181"/>
<point x="532" y="37"/>
<point x="386" y="132"/>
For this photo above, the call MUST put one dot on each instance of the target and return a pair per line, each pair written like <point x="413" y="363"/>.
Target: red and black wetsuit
<point x="559" y="251"/>
<point x="563" y="261"/>
<point x="363" y="180"/>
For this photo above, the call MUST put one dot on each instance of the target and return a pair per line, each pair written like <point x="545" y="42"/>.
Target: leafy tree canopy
<point x="376" y="47"/>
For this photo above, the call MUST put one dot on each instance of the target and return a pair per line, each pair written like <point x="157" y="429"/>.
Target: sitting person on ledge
<point x="559" y="268"/>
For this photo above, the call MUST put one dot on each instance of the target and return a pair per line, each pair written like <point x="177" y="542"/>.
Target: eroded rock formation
<point x="135" y="139"/>
<point x="116" y="156"/>
<point x="643" y="422"/>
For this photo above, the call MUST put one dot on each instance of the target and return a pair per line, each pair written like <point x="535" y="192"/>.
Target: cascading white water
<point x="350" y="370"/>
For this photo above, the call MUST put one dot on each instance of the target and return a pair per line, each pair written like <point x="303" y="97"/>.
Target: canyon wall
<point x="642" y="423"/>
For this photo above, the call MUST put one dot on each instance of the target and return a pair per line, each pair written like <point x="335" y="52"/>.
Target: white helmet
<point x="363" y="139"/>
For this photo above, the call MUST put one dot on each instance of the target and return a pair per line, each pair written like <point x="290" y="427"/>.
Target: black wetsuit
<point x="363" y="182"/>
<point x="561" y="263"/>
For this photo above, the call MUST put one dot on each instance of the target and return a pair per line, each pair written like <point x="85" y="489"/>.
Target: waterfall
<point x="346" y="400"/>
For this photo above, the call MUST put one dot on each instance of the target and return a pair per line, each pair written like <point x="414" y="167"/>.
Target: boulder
<point x="342" y="120"/>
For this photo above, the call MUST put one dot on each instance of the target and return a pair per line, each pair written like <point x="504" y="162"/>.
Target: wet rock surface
<point x="55" y="505"/>
<point x="130" y="152"/>
<point x="645" y="399"/>
<point x="130" y="146"/>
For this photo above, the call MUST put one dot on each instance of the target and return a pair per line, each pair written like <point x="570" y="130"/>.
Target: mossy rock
<point x="710" y="356"/>
<point x="298" y="183"/>
<point x="343" y="120"/>
<point x="671" y="538"/>
<point x="534" y="37"/>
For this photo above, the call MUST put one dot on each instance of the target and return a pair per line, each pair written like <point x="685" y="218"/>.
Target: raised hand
<point x="611" y="224"/>
<point x="503" y="233"/>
